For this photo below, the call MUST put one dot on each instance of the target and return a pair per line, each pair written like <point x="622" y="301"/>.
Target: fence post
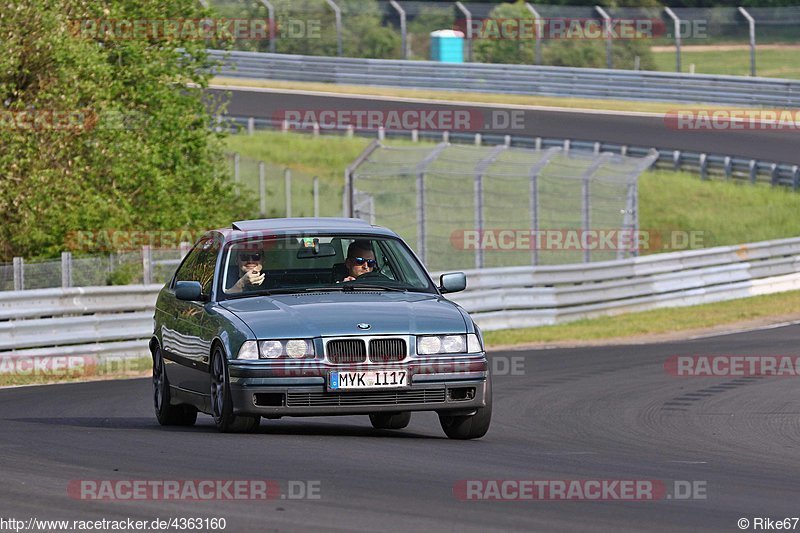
<point x="251" y="125"/>
<point x="66" y="269"/>
<point x="262" y="188"/>
<point x="752" y="23"/>
<point x="272" y="24"/>
<point x="539" y="29"/>
<point x="381" y="133"/>
<point x="609" y="42"/>
<point x="478" y="192"/>
<point x="338" y="14"/>
<point x="403" y="30"/>
<point x="468" y="16"/>
<point x="421" y="215"/>
<point x="185" y="247"/>
<point x="287" y="183"/>
<point x="19" y="274"/>
<point x="236" y="176"/>
<point x="316" y="196"/>
<point x="147" y="265"/>
<point x="677" y="30"/>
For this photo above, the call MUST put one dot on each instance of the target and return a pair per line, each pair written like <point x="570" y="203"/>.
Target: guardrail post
<point x="753" y="170"/>
<point x="445" y="136"/>
<point x="66" y="269"/>
<point x="315" y="129"/>
<point x="703" y="167"/>
<point x="537" y="143"/>
<point x="350" y="131"/>
<point x="752" y="23"/>
<point x="507" y="140"/>
<point x="468" y="16"/>
<point x="539" y="29"/>
<point x="414" y="136"/>
<point x="262" y="188"/>
<point x="478" y="139"/>
<point x="596" y="148"/>
<point x="676" y="159"/>
<point x="147" y="265"/>
<point x="284" y="126"/>
<point x="623" y="150"/>
<point x="795" y="178"/>
<point x="381" y="133"/>
<point x="315" y="189"/>
<point x="566" y="145"/>
<point x="251" y="125"/>
<point x="609" y="42"/>
<point x="773" y="174"/>
<point x="677" y="29"/>
<point x="728" y="167"/>
<point x="403" y="30"/>
<point x="338" y="14"/>
<point x="19" y="273"/>
<point x="272" y="24"/>
<point x="287" y="183"/>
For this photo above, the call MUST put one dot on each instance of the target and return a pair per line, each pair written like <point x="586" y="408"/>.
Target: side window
<point x="199" y="264"/>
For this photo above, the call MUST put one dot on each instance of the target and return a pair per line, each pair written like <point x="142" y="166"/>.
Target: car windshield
<point x="299" y="263"/>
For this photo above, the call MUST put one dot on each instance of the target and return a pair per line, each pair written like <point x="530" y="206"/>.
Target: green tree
<point x="139" y="152"/>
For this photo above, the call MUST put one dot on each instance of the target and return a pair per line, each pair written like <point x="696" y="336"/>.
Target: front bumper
<point x="291" y="388"/>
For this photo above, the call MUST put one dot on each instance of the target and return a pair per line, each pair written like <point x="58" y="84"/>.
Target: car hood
<point x="339" y="313"/>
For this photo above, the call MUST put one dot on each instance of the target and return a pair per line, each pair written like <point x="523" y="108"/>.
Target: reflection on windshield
<point x="310" y="262"/>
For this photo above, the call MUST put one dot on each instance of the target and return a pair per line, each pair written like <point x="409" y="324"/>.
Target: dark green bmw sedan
<point x="314" y="317"/>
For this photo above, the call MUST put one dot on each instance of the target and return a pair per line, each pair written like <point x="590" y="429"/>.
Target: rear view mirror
<point x="453" y="282"/>
<point x="322" y="249"/>
<point x="189" y="291"/>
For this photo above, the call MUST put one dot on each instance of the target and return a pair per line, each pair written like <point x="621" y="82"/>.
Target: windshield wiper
<point x="352" y="287"/>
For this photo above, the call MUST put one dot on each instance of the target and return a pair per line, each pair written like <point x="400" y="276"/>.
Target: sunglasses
<point x="249" y="257"/>
<point x="371" y="263"/>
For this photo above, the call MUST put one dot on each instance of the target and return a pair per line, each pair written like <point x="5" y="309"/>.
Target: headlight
<point x="249" y="350"/>
<point x="448" y="344"/>
<point x="294" y="348"/>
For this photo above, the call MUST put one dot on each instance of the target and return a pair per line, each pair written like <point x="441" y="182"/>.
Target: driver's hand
<point x="254" y="277"/>
<point x="349" y="278"/>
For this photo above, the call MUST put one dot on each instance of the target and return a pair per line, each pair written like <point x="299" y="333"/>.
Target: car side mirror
<point x="452" y="282"/>
<point x="189" y="291"/>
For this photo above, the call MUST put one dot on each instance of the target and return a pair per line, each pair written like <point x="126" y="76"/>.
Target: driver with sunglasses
<point x="250" y="267"/>
<point x="360" y="260"/>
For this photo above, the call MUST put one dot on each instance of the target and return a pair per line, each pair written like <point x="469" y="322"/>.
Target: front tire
<point x="166" y="413"/>
<point x="390" y="420"/>
<point x="221" y="403"/>
<point x="471" y="426"/>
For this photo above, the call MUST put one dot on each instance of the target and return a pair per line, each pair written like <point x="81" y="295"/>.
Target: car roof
<point x="282" y="226"/>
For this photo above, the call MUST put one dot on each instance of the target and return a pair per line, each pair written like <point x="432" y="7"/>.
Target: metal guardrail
<point x="512" y="79"/>
<point x="118" y="320"/>
<point x="705" y="165"/>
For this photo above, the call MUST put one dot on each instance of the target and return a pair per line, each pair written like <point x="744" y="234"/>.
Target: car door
<point x="192" y="331"/>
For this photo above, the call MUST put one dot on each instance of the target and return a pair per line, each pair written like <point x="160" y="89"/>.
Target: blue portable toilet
<point x="447" y="46"/>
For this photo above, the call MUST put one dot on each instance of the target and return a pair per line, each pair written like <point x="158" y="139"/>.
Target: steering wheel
<point x="373" y="276"/>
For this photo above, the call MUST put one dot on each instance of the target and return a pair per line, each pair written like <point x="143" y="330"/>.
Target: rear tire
<point x="166" y="413"/>
<point x="390" y="420"/>
<point x="221" y="403"/>
<point x="471" y="426"/>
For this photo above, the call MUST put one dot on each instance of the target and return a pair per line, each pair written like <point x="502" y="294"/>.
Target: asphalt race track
<point x="566" y="414"/>
<point x="633" y="129"/>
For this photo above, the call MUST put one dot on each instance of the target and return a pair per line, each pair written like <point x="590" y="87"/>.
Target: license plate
<point x="374" y="379"/>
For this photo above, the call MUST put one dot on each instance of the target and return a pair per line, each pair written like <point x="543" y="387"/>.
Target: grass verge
<point x="770" y="63"/>
<point x="771" y="308"/>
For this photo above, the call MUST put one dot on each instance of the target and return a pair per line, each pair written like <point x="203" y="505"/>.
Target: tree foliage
<point x="139" y="152"/>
